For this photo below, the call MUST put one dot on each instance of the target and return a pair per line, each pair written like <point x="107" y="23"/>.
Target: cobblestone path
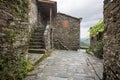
<point x="68" y="65"/>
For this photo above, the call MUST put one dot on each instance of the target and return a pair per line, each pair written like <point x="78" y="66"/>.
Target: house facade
<point x="60" y="31"/>
<point x="66" y="32"/>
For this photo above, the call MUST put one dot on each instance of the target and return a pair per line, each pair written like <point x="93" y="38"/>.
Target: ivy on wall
<point x="13" y="65"/>
<point x="97" y="28"/>
<point x="97" y="48"/>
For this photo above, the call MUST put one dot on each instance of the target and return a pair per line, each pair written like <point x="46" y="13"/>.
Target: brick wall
<point x="67" y="31"/>
<point x="112" y="40"/>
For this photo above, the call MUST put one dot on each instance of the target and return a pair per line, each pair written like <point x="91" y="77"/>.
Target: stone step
<point x="39" y="30"/>
<point x="37" y="51"/>
<point x="36" y="40"/>
<point x="37" y="34"/>
<point x="36" y="43"/>
<point x="37" y="37"/>
<point x="36" y="47"/>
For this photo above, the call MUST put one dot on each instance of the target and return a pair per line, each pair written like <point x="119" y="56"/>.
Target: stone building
<point x="66" y="32"/>
<point x="112" y="40"/>
<point x="30" y="26"/>
<point x="51" y="21"/>
<point x="42" y="14"/>
<point x="18" y="22"/>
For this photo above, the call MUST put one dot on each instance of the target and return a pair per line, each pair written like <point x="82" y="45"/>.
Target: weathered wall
<point x="14" y="33"/>
<point x="96" y="44"/>
<point x="35" y="17"/>
<point x="112" y="40"/>
<point x="93" y="41"/>
<point x="67" y="31"/>
<point x="33" y="13"/>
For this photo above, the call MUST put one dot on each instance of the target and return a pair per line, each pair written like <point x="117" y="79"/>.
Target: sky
<point x="90" y="10"/>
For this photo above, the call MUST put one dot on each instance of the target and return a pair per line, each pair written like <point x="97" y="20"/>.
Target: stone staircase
<point x="36" y="44"/>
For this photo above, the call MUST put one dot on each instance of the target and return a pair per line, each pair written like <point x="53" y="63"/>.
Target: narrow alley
<point x="78" y="65"/>
<point x="46" y="39"/>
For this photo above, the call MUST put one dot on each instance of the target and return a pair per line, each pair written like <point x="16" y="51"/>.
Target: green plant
<point x="5" y="67"/>
<point x="89" y="50"/>
<point x="98" y="50"/>
<point x="47" y="54"/>
<point x="95" y="32"/>
<point x="26" y="67"/>
<point x="1" y="63"/>
<point x="97" y="28"/>
<point x="12" y="64"/>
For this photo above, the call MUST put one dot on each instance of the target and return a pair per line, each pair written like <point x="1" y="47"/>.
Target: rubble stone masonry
<point x="112" y="40"/>
<point x="66" y="32"/>
<point x="16" y="20"/>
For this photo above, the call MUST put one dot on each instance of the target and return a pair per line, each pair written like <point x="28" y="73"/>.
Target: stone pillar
<point x="112" y="40"/>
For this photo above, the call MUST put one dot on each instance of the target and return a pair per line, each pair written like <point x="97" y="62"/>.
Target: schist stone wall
<point x="93" y="40"/>
<point x="112" y="40"/>
<point x="33" y="13"/>
<point x="66" y="32"/>
<point x="14" y="33"/>
<point x="35" y="18"/>
<point x="17" y="19"/>
<point x="96" y="44"/>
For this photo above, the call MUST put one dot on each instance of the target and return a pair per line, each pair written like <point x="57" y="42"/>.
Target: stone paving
<point x="68" y="65"/>
<point x="34" y="57"/>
